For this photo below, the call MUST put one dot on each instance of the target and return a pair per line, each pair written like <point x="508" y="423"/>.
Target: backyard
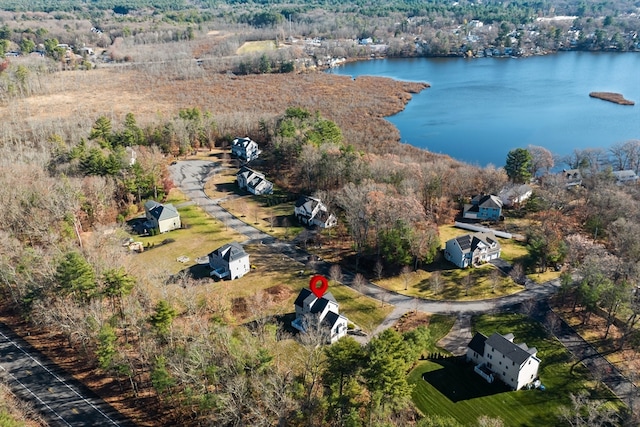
<point x="450" y="388"/>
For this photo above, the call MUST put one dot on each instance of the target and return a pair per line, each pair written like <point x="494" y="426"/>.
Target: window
<point x="513" y="363"/>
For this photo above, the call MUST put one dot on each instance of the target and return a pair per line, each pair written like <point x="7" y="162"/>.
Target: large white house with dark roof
<point x="311" y="211"/>
<point x="229" y="261"/>
<point x="254" y="182"/>
<point x="499" y="357"/>
<point x="161" y="217"/>
<point x="472" y="249"/>
<point x="245" y="149"/>
<point x="322" y="311"/>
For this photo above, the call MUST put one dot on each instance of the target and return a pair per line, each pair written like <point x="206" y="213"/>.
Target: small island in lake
<point x="612" y="97"/>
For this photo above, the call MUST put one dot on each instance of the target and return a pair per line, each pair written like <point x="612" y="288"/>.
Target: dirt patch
<point x="412" y="320"/>
<point x="279" y="293"/>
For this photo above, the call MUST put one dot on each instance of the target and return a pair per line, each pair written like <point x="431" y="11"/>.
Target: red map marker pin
<point x="318" y="290"/>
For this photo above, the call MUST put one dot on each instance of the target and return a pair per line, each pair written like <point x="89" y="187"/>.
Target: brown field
<point x="72" y="98"/>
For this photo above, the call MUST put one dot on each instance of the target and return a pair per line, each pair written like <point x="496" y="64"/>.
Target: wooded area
<point x="170" y="355"/>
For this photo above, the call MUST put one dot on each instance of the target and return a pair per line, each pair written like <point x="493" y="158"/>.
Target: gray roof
<point x="514" y="352"/>
<point x="470" y="242"/>
<point x="306" y="296"/>
<point x="487" y="201"/>
<point x="477" y="343"/>
<point x="160" y="211"/>
<point x="230" y="252"/>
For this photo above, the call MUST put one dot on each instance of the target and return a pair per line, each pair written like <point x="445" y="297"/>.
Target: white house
<point x="514" y="195"/>
<point x="245" y="149"/>
<point x="230" y="261"/>
<point x="319" y="312"/>
<point x="312" y="211"/>
<point x="161" y="217"/>
<point x="499" y="357"/>
<point x="472" y="249"/>
<point x="625" y="177"/>
<point x="254" y="182"/>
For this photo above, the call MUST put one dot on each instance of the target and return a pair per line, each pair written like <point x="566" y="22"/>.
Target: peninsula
<point x="612" y="97"/>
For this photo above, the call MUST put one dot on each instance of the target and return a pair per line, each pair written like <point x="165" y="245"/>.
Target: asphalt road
<point x="61" y="400"/>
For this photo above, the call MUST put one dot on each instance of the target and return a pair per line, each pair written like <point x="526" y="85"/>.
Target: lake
<point x="476" y="110"/>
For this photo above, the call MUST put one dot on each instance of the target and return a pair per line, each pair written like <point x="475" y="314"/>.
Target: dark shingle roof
<point x="477" y="343"/>
<point x="510" y="350"/>
<point x="230" y="252"/>
<point x="331" y="319"/>
<point x="302" y="296"/>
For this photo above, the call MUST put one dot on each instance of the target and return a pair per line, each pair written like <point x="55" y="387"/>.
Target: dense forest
<point x="71" y="124"/>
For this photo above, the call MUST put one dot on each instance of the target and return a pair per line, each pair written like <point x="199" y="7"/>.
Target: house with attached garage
<point x="625" y="177"/>
<point x="254" y="182"/>
<point x="515" y="194"/>
<point x="321" y="313"/>
<point x="161" y="217"/>
<point x="311" y="211"/>
<point x="229" y="261"/>
<point x="483" y="207"/>
<point x="245" y="149"/>
<point x="498" y="357"/>
<point x="472" y="249"/>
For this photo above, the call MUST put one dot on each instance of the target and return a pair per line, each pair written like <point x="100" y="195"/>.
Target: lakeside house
<point x="161" y="217"/>
<point x="625" y="177"/>
<point x="515" y="194"/>
<point x="322" y="313"/>
<point x="483" y="207"/>
<point x="499" y="357"/>
<point x="229" y="261"/>
<point x="472" y="249"/>
<point x="572" y="177"/>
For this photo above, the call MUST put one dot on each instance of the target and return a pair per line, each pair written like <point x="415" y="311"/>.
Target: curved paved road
<point x="61" y="400"/>
<point x="191" y="175"/>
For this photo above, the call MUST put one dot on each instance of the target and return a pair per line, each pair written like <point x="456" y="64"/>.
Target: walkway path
<point x="458" y="338"/>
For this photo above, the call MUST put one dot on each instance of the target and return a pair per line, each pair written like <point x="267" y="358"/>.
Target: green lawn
<point x="201" y="234"/>
<point x="450" y="388"/>
<point x="420" y="283"/>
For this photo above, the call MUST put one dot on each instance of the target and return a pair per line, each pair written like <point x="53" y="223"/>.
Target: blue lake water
<point x="476" y="110"/>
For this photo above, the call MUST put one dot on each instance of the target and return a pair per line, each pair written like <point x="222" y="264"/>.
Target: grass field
<point x="452" y="280"/>
<point x="256" y="46"/>
<point x="450" y="388"/>
<point x="201" y="234"/>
